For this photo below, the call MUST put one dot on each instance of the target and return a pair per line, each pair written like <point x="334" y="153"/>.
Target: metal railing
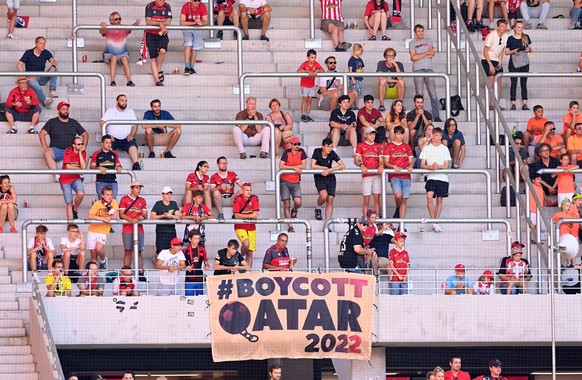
<point x="345" y="76"/>
<point x="130" y="173"/>
<point x="239" y="55"/>
<point x="26" y="223"/>
<point x="63" y="74"/>
<point x="273" y="148"/>
<point x="328" y="223"/>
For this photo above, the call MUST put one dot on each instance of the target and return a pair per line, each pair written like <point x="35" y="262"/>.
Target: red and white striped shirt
<point x="331" y="10"/>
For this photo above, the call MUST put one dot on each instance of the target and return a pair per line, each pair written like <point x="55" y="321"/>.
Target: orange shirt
<point x="566" y="228"/>
<point x="565" y="181"/>
<point x="575" y="143"/>
<point x="554" y="142"/>
<point x="567" y="119"/>
<point x="537" y="124"/>
<point x="575" y="213"/>
<point x="540" y="193"/>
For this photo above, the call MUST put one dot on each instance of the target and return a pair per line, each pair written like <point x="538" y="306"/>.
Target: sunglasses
<point x="81" y="144"/>
<point x="297" y="144"/>
<point x="116" y="19"/>
<point x="332" y="63"/>
<point x="553" y="129"/>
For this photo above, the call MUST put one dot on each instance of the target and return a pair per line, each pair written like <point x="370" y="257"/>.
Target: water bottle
<point x="141" y="164"/>
<point x="514" y="131"/>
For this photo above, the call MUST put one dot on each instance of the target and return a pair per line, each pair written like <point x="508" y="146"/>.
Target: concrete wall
<point x="38" y="342"/>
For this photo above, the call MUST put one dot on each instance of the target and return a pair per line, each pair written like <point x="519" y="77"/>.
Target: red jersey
<point x="158" y="14"/>
<point x="230" y="180"/>
<point x="136" y="210"/>
<point x="460" y="376"/>
<point x="71" y="158"/>
<point x="372" y="6"/>
<point x="399" y="155"/>
<point x="252" y="206"/>
<point x="277" y="257"/>
<point x="195" y="180"/>
<point x="196" y="210"/>
<point x="291" y="159"/>
<point x="370" y="154"/>
<point x="331" y="10"/>
<point x="401" y="262"/>
<point x="309" y="82"/>
<point x="368" y="234"/>
<point x="226" y="7"/>
<point x="192" y="14"/>
<point x="371" y="117"/>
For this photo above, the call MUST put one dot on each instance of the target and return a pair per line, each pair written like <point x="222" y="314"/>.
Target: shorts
<point x="326" y="23"/>
<point x="243" y="235"/>
<point x="155" y="43"/>
<point x="163" y="239"/>
<point x="13" y="4"/>
<point x="161" y="139"/>
<point x="193" y="38"/>
<point x="290" y="189"/>
<point x="58" y="153"/>
<point x="255" y="23"/>
<point x="123" y="144"/>
<point x="342" y="140"/>
<point x="371" y="185"/>
<point x="357" y="87"/>
<point x="167" y="290"/>
<point x="194" y="288"/>
<point x="226" y="19"/>
<point x="325" y="183"/>
<point x="23" y="116"/>
<point x="562" y="196"/>
<point x="93" y="238"/>
<point x="107" y="56"/>
<point x="486" y="67"/>
<point x="439" y="188"/>
<point x="383" y="263"/>
<point x="128" y="241"/>
<point x="308" y="92"/>
<point x="68" y="188"/>
<point x="401" y="185"/>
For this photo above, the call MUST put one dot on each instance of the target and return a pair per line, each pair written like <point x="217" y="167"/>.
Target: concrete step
<point x="14" y="314"/>
<point x="4" y="280"/>
<point x="15" y="350"/>
<point x="13" y="341"/>
<point x="16" y="368"/>
<point x="9" y="296"/>
<point x="21" y="376"/>
<point x="11" y="323"/>
<point x="9" y="305"/>
<point x="17" y="359"/>
<point x="12" y="332"/>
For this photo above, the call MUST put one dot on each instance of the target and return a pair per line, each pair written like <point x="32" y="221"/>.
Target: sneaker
<point x="113" y="84"/>
<point x="142" y="277"/>
<point x="103" y="264"/>
<point x="303" y="119"/>
<point x="220" y="216"/>
<point x="192" y="71"/>
<point x="13" y="229"/>
<point x="242" y="156"/>
<point x="294" y="213"/>
<point x="111" y="230"/>
<point x="308" y="119"/>
<point x="454" y="26"/>
<point x="169" y="154"/>
<point x="290" y="229"/>
<point x="263" y="155"/>
<point x="11" y="36"/>
<point x="318" y="214"/>
<point x="53" y="92"/>
<point x="135" y="166"/>
<point x="471" y="27"/>
<point x="186" y="71"/>
<point x="436" y="227"/>
<point x="35" y="276"/>
<point x="479" y="25"/>
<point x="264" y="38"/>
<point x="527" y="25"/>
<point x="130" y="84"/>
<point x="338" y="48"/>
<point x="382" y="108"/>
<point x="542" y="26"/>
<point x="75" y="214"/>
<point x="245" y="37"/>
<point x="48" y="103"/>
<point x="525" y="107"/>
<point x="220" y="34"/>
<point x="141" y="62"/>
<point x="345" y="45"/>
<point x="152" y="155"/>
<point x="513" y="107"/>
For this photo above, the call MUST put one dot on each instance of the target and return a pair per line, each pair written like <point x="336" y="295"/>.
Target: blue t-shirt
<point x="452" y="281"/>
<point x="164" y="115"/>
<point x="357" y="66"/>
<point x="457" y="135"/>
<point x="34" y="63"/>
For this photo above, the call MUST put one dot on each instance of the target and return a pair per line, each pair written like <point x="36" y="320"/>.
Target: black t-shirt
<point x="34" y="63"/>
<point x="381" y="243"/>
<point x="160" y="208"/>
<point x="503" y="266"/>
<point x="516" y="43"/>
<point x="195" y="257"/>
<point x="327" y="161"/>
<point x="420" y="123"/>
<point x="547" y="178"/>
<point x="61" y="133"/>
<point x="348" y="118"/>
<point x="105" y="160"/>
<point x="382" y="68"/>
<point x="222" y="259"/>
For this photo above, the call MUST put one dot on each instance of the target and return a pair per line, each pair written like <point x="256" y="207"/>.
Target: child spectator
<point x="535" y="126"/>
<point x="57" y="284"/>
<point x="356" y="65"/>
<point x="565" y="181"/>
<point x="517" y="269"/>
<point x="40" y="250"/>
<point x="91" y="283"/>
<point x="312" y="67"/>
<point x="573" y="117"/>
<point x="512" y="11"/>
<point x="195" y="257"/>
<point x="485" y="286"/>
<point x="398" y="156"/>
<point x="399" y="265"/>
<point x="170" y="262"/>
<point x="566" y="213"/>
<point x="73" y="248"/>
<point x="124" y="285"/>
<point x="104" y="210"/>
<point x="575" y="210"/>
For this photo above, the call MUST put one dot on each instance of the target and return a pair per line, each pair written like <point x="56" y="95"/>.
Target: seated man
<point x="57" y="283"/>
<point x="35" y="59"/>
<point x="123" y="134"/>
<point x="158" y="134"/>
<point x="277" y="256"/>
<point x="514" y="271"/>
<point x="22" y="105"/>
<point x="332" y="22"/>
<point x="75" y="158"/>
<point x="342" y="125"/>
<point x="229" y="260"/>
<point x="390" y="65"/>
<point x="330" y="87"/>
<point x="222" y="185"/>
<point x="226" y="14"/>
<point x="459" y="283"/>
<point x="370" y="117"/>
<point x="256" y="14"/>
<point x="551" y="137"/>
<point x="91" y="283"/>
<point x="116" y="49"/>
<point x="535" y="8"/>
<point x="251" y="135"/>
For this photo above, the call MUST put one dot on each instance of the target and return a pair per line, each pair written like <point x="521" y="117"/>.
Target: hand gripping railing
<point x="239" y="55"/>
<point x="273" y="149"/>
<point x="326" y="242"/>
<point x="26" y="223"/>
<point x="345" y="77"/>
<point x="63" y="74"/>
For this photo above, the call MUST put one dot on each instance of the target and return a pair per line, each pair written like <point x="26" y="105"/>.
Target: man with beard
<point x="123" y="135"/>
<point x="61" y="130"/>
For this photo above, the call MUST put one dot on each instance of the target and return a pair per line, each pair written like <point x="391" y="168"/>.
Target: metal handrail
<point x="130" y="173"/>
<point x="62" y="74"/>
<point x="26" y="223"/>
<point x="273" y="148"/>
<point x="344" y="76"/>
<point x="239" y="55"/>
<point x="326" y="241"/>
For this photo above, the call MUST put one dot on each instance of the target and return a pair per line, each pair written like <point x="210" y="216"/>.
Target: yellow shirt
<point x="99" y="209"/>
<point x="63" y="285"/>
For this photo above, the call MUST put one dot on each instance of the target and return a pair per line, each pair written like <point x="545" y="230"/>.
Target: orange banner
<point x="291" y="315"/>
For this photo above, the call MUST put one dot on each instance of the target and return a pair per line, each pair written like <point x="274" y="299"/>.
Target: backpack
<point x="503" y="199"/>
<point x="348" y="258"/>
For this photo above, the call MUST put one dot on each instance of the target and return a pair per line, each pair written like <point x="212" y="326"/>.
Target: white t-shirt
<point x="439" y="155"/>
<point x="116" y="130"/>
<point x="65" y="241"/>
<point x="482" y="289"/>
<point x="253" y="3"/>
<point x="167" y="277"/>
<point x="325" y="83"/>
<point x="496" y="45"/>
<point x="32" y="243"/>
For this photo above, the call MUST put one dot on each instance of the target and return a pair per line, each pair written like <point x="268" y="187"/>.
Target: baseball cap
<point x="176" y="241"/>
<point x="363" y="220"/>
<point x="488" y="273"/>
<point x="370" y="130"/>
<point x="20" y="79"/>
<point x="459" y="267"/>
<point x="516" y="244"/>
<point x="494" y="363"/>
<point x="135" y="183"/>
<point x="295" y="140"/>
<point x="400" y="235"/>
<point x="63" y="104"/>
<point x="167" y="189"/>
<point x="577" y="196"/>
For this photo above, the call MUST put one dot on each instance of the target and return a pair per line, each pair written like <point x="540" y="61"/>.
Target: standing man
<point x="105" y="159"/>
<point x="390" y="65"/>
<point x="369" y="157"/>
<point x="170" y="262"/>
<point x="116" y="49"/>
<point x="292" y="159"/>
<point x="165" y="209"/>
<point x="158" y="13"/>
<point x="421" y="53"/>
<point x="75" y="158"/>
<point x="123" y="135"/>
<point x="194" y="13"/>
<point x="323" y="159"/>
<point x="417" y="119"/>
<point x="133" y="208"/>
<point x="246" y="206"/>
<point x="195" y="257"/>
<point x="222" y="186"/>
<point x="332" y="22"/>
<point x="104" y="210"/>
<point x="22" y="105"/>
<point x="256" y="13"/>
<point x="251" y="135"/>
<point x="61" y="130"/>
<point x="433" y="157"/>
<point x="398" y="156"/>
<point x="159" y="134"/>
<point x="35" y="59"/>
<point x="275" y="372"/>
<point x="342" y="125"/>
<point x="455" y="372"/>
<point x="493" y="52"/>
<point x="277" y="256"/>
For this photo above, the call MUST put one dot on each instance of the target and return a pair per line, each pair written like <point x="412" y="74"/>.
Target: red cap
<point x="176" y="241"/>
<point x="459" y="267"/>
<point x="294" y="140"/>
<point x="400" y="235"/>
<point x="62" y="104"/>
<point x="488" y="273"/>
<point x="517" y="244"/>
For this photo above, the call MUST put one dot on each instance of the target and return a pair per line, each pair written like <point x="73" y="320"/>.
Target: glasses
<point x="116" y="19"/>
<point x="331" y="63"/>
<point x="196" y="1"/>
<point x="80" y="144"/>
<point x="283" y="240"/>
<point x="297" y="144"/>
<point x="553" y="129"/>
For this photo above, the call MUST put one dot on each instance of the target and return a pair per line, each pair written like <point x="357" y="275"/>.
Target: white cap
<point x="167" y="189"/>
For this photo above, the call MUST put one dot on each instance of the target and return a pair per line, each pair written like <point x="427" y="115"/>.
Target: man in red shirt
<point x="22" y="105"/>
<point x="292" y="159"/>
<point x="369" y="157"/>
<point x="455" y="372"/>
<point x="75" y="158"/>
<point x="222" y="186"/>
<point x="246" y="206"/>
<point x="277" y="256"/>
<point x="368" y="116"/>
<point x="133" y="208"/>
<point x="158" y="13"/>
